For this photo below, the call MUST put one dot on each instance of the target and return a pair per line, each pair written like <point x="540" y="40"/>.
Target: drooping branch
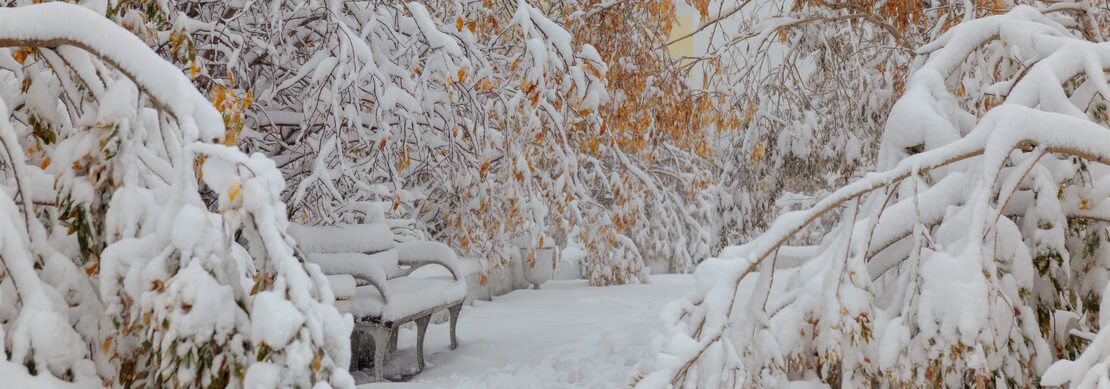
<point x="80" y="27"/>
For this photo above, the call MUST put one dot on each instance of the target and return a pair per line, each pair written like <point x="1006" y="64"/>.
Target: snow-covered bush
<point x="975" y="255"/>
<point x="136" y="249"/>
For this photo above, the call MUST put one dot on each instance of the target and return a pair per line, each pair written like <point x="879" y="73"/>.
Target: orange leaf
<point x="21" y="54"/>
<point x="198" y="166"/>
<point x="229" y="138"/>
<point x="458" y="23"/>
<point x="484" y="169"/>
<point x="92" y="268"/>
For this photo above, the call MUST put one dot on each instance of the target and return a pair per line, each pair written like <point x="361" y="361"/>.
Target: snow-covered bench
<point x="371" y="276"/>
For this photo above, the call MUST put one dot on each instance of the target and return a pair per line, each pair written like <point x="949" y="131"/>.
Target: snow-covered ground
<point x="565" y="335"/>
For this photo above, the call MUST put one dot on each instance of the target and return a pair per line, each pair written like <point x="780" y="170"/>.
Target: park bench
<point x="372" y="277"/>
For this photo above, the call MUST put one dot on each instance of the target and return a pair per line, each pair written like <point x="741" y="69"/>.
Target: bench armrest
<point x="365" y="273"/>
<point x="422" y="253"/>
<point x="377" y="283"/>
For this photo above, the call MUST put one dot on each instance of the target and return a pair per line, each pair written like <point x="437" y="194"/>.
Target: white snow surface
<point x="564" y="335"/>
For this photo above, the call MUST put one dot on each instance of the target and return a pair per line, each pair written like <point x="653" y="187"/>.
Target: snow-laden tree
<point x="659" y="134"/>
<point x="135" y="249"/>
<point x="478" y="120"/>
<point x="452" y="111"/>
<point x="471" y="132"/>
<point x="812" y="82"/>
<point x="976" y="254"/>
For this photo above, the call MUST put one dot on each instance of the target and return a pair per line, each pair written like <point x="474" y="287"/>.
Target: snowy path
<point x="566" y="335"/>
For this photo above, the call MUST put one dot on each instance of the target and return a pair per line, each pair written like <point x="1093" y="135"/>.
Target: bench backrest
<point x="355" y="249"/>
<point x="344" y="238"/>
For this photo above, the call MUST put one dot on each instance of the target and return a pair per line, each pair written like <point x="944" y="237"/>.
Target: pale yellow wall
<point x="686" y="20"/>
<point x="684" y="24"/>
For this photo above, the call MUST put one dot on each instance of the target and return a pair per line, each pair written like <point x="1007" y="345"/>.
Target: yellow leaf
<point x="1084" y="204"/>
<point x="758" y="153"/>
<point x="458" y="23"/>
<point x="316" y="362"/>
<point x="749" y="113"/>
<point x="233" y="191"/>
<point x="462" y="74"/>
<point x="198" y="166"/>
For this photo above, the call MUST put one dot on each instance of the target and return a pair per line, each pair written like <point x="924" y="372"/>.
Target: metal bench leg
<point x="421" y="328"/>
<point x="393" y="341"/>
<point x="358" y="355"/>
<point x="381" y="336"/>
<point x="454" y="311"/>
